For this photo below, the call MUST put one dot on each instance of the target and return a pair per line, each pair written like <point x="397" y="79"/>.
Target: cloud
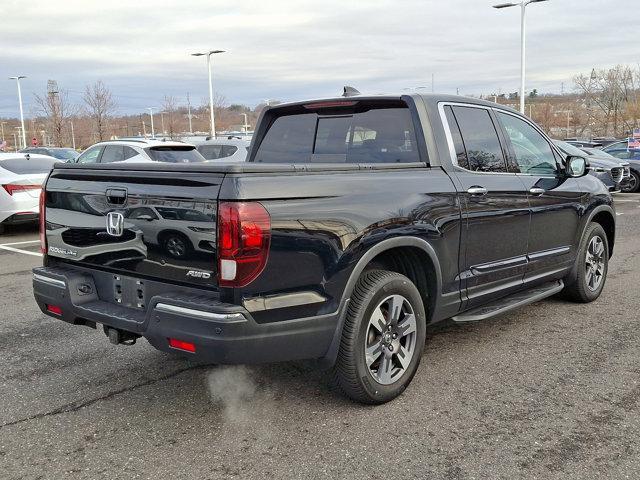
<point x="301" y="49"/>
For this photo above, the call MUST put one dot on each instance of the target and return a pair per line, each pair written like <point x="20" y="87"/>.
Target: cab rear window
<point x="22" y="166"/>
<point x="376" y="135"/>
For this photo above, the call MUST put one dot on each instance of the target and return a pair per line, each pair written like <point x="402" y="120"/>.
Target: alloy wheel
<point x="595" y="263"/>
<point x="176" y="247"/>
<point x="390" y="340"/>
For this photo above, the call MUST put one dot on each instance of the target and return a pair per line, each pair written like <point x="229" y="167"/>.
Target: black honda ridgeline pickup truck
<point x="354" y="223"/>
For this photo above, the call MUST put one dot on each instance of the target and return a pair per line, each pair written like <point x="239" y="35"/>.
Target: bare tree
<point x="611" y="98"/>
<point x="55" y="106"/>
<point x="169" y="107"/>
<point x="99" y="105"/>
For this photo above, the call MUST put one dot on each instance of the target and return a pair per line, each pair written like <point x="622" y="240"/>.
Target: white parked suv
<point x="224" y="149"/>
<point x="140" y="150"/>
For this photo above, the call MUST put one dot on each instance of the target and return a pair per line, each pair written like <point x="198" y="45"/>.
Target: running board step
<point x="513" y="301"/>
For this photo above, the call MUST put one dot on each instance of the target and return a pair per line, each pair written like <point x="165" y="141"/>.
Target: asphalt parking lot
<point x="550" y="391"/>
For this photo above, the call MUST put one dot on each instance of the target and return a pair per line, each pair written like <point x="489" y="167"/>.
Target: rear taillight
<point x="244" y="237"/>
<point x="42" y="220"/>
<point x="12" y="188"/>
<point x="55" y="309"/>
<point x="182" y="345"/>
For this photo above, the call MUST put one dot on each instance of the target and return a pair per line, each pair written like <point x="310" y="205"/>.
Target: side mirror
<point x="576" y="167"/>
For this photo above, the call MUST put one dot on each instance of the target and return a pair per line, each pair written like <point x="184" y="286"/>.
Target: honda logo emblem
<point x="115" y="224"/>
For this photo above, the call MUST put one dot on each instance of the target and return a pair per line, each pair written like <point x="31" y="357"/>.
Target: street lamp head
<point x="506" y="5"/>
<point x="535" y="1"/>
<point x="18" y="77"/>
<point x="197" y="54"/>
<point x="216" y="51"/>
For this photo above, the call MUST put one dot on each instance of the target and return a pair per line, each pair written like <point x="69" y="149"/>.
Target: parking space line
<point x="17" y="250"/>
<point x="19" y="243"/>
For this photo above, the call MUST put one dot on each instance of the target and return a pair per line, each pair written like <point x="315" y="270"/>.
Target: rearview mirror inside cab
<point x="576" y="166"/>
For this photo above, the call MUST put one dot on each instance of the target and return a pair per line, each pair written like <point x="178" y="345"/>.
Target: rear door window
<point x="480" y="139"/>
<point x="210" y="152"/>
<point x="228" y="150"/>
<point x="129" y="153"/>
<point x="379" y="135"/>
<point x="112" y="153"/>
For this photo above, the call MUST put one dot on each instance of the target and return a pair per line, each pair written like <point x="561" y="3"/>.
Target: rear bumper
<point x="222" y="333"/>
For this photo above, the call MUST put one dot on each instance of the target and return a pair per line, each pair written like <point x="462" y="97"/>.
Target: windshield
<point x="175" y="154"/>
<point x="64" y="153"/>
<point x="569" y="149"/>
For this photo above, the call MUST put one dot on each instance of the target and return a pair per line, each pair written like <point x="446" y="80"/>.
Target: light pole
<point x="246" y="125"/>
<point x="2" y="126"/>
<point x="208" y="54"/>
<point x="523" y="8"/>
<point x="153" y="133"/>
<point x="17" y="79"/>
<point x="73" y="136"/>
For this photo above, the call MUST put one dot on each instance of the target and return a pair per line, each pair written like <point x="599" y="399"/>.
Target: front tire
<point x="633" y="185"/>
<point x="382" y="339"/>
<point x="592" y="266"/>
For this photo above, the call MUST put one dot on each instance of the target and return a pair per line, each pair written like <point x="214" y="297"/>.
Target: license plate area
<point x="129" y="292"/>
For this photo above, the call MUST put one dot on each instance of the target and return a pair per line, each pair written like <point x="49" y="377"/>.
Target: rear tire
<point x="382" y="339"/>
<point x="633" y="185"/>
<point x="592" y="265"/>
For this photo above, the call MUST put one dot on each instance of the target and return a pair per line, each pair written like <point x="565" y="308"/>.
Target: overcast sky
<point x="287" y="50"/>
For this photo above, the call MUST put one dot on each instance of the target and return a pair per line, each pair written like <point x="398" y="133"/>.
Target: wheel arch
<point x="605" y="216"/>
<point x="395" y="254"/>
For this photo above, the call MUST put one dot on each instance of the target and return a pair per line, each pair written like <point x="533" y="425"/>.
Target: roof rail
<point x="126" y="140"/>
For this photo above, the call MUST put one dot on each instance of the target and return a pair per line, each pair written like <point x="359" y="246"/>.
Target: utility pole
<point x="153" y="133"/>
<point x="144" y="128"/>
<point x="189" y="114"/>
<point x="73" y="136"/>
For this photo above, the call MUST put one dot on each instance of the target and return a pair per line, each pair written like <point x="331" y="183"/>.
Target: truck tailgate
<point x="142" y="224"/>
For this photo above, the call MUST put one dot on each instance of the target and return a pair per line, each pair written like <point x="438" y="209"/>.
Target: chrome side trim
<point x="549" y="253"/>
<point x="490" y="267"/>
<point x="49" y="280"/>
<point x="258" y="304"/>
<point x="218" y="317"/>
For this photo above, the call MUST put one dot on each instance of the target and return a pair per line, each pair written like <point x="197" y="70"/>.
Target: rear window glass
<point x="22" y="166"/>
<point x="175" y="154"/>
<point x="382" y="135"/>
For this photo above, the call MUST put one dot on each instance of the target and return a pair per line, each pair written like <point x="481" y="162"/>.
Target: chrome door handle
<point x="477" y="191"/>
<point x="536" y="191"/>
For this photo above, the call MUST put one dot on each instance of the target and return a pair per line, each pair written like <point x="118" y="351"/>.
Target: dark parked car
<point x="355" y="223"/>
<point x="610" y="172"/>
<point x="622" y="151"/>
<point x="64" y="154"/>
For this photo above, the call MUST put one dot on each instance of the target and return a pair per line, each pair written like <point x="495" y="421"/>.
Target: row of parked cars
<point x="22" y="174"/>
